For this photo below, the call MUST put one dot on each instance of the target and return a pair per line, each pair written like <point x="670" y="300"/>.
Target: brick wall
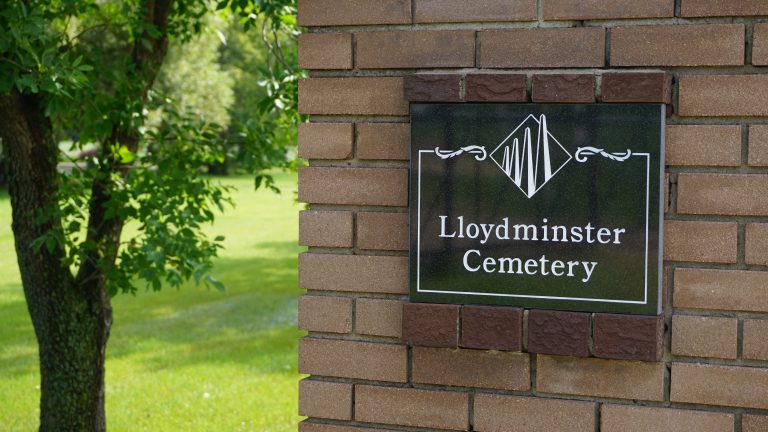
<point x="706" y="58"/>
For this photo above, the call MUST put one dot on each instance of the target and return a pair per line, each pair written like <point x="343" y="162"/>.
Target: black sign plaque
<point x="550" y="206"/>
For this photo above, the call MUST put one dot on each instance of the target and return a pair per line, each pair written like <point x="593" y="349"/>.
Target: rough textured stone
<point x="410" y="407"/>
<point x="528" y="414"/>
<point x="306" y="426"/>
<point x="496" y="88"/>
<point x="431" y="325"/>
<point x="734" y="290"/>
<point x="722" y="194"/>
<point x="760" y="44"/>
<point x="415" y="49"/>
<point x="486" y="327"/>
<point x="702" y="8"/>
<point x="432" y="88"/>
<point x="621" y="379"/>
<point x="325" y="228"/>
<point x="719" y="385"/>
<point x="325" y="51"/>
<point x="439" y="11"/>
<point x="563" y="88"/>
<point x="700" y="241"/>
<point x="556" y="332"/>
<point x="353" y="273"/>
<point x="383" y="141"/>
<point x="325" y="399"/>
<point x="755" y="339"/>
<point x="637" y="87"/>
<point x="472" y="368"/>
<point x="314" y="13"/>
<point x="758" y="145"/>
<point x="723" y="95"/>
<point x="379" y="317"/>
<point x="754" y="423"/>
<point x="355" y="96"/>
<point x="698" y="336"/>
<point x="678" y="45"/>
<point x="355" y="186"/>
<point x="542" y="47"/>
<point x="703" y="145"/>
<point x="348" y="359"/>
<point x="325" y="140"/>
<point x="601" y="9"/>
<point x="382" y="231"/>
<point x="631" y="337"/>
<point x="757" y="244"/>
<point x="325" y="314"/>
<point x="623" y="418"/>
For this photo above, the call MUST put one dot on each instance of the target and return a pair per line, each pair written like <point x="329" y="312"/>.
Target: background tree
<point x="89" y="69"/>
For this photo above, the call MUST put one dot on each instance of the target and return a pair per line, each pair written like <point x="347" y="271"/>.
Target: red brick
<point x="487" y="327"/>
<point x="432" y="88"/>
<point x="383" y="141"/>
<point x="723" y="95"/>
<point x="755" y="340"/>
<point x="735" y="386"/>
<point x="325" y="314"/>
<point x="620" y="379"/>
<point x="325" y="51"/>
<point x="325" y="399"/>
<point x="757" y="244"/>
<point x="698" y="336"/>
<point x="754" y="423"/>
<point x="563" y="88"/>
<point x="631" y="337"/>
<point x="703" y="145"/>
<point x="637" y="87"/>
<point x="382" y="231"/>
<point x="542" y="47"/>
<point x="758" y="145"/>
<point x="722" y="194"/>
<point x="624" y="418"/>
<point x="355" y="273"/>
<point x="760" y="44"/>
<point x="678" y="45"/>
<point x="325" y="140"/>
<point x="556" y="332"/>
<point x="472" y="368"/>
<point x="348" y="359"/>
<point x="325" y="228"/>
<point x="379" y="317"/>
<point x="601" y="9"/>
<point x="734" y="290"/>
<point x="700" y="241"/>
<point x="355" y="186"/>
<point x="410" y="407"/>
<point x="431" y="325"/>
<point x="701" y="8"/>
<point x="496" y="88"/>
<point x="306" y="426"/>
<point x="415" y="49"/>
<point x="356" y="96"/>
<point x="353" y="12"/>
<point x="440" y="11"/>
<point x="529" y="414"/>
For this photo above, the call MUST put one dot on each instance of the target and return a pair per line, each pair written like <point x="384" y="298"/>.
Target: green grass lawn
<point x="190" y="359"/>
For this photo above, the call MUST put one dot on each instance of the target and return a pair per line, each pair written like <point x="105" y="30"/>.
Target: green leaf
<point x="210" y="280"/>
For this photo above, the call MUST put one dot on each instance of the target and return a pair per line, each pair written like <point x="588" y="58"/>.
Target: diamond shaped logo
<point x="530" y="156"/>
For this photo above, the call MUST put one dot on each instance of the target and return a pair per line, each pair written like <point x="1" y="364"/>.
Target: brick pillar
<point x="702" y="366"/>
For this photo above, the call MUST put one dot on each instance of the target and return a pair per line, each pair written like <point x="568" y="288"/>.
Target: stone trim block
<point x="487" y="327"/>
<point x="432" y="88"/>
<point x="563" y="88"/>
<point x="637" y="87"/>
<point x="431" y="325"/>
<point x="558" y="332"/>
<point x="629" y="337"/>
<point x="496" y="88"/>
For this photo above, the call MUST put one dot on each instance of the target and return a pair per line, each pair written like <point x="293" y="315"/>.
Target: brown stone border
<point x="614" y="336"/>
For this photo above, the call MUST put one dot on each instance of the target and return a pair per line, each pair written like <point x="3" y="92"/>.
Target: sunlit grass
<point x="191" y="359"/>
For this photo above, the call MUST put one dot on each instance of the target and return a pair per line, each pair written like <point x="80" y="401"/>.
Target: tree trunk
<point x="71" y="321"/>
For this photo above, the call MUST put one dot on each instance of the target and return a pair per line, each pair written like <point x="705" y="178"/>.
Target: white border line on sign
<point x="418" y="249"/>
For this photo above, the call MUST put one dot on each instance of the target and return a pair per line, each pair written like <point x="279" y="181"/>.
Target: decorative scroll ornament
<point x="478" y="151"/>
<point x="582" y="153"/>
